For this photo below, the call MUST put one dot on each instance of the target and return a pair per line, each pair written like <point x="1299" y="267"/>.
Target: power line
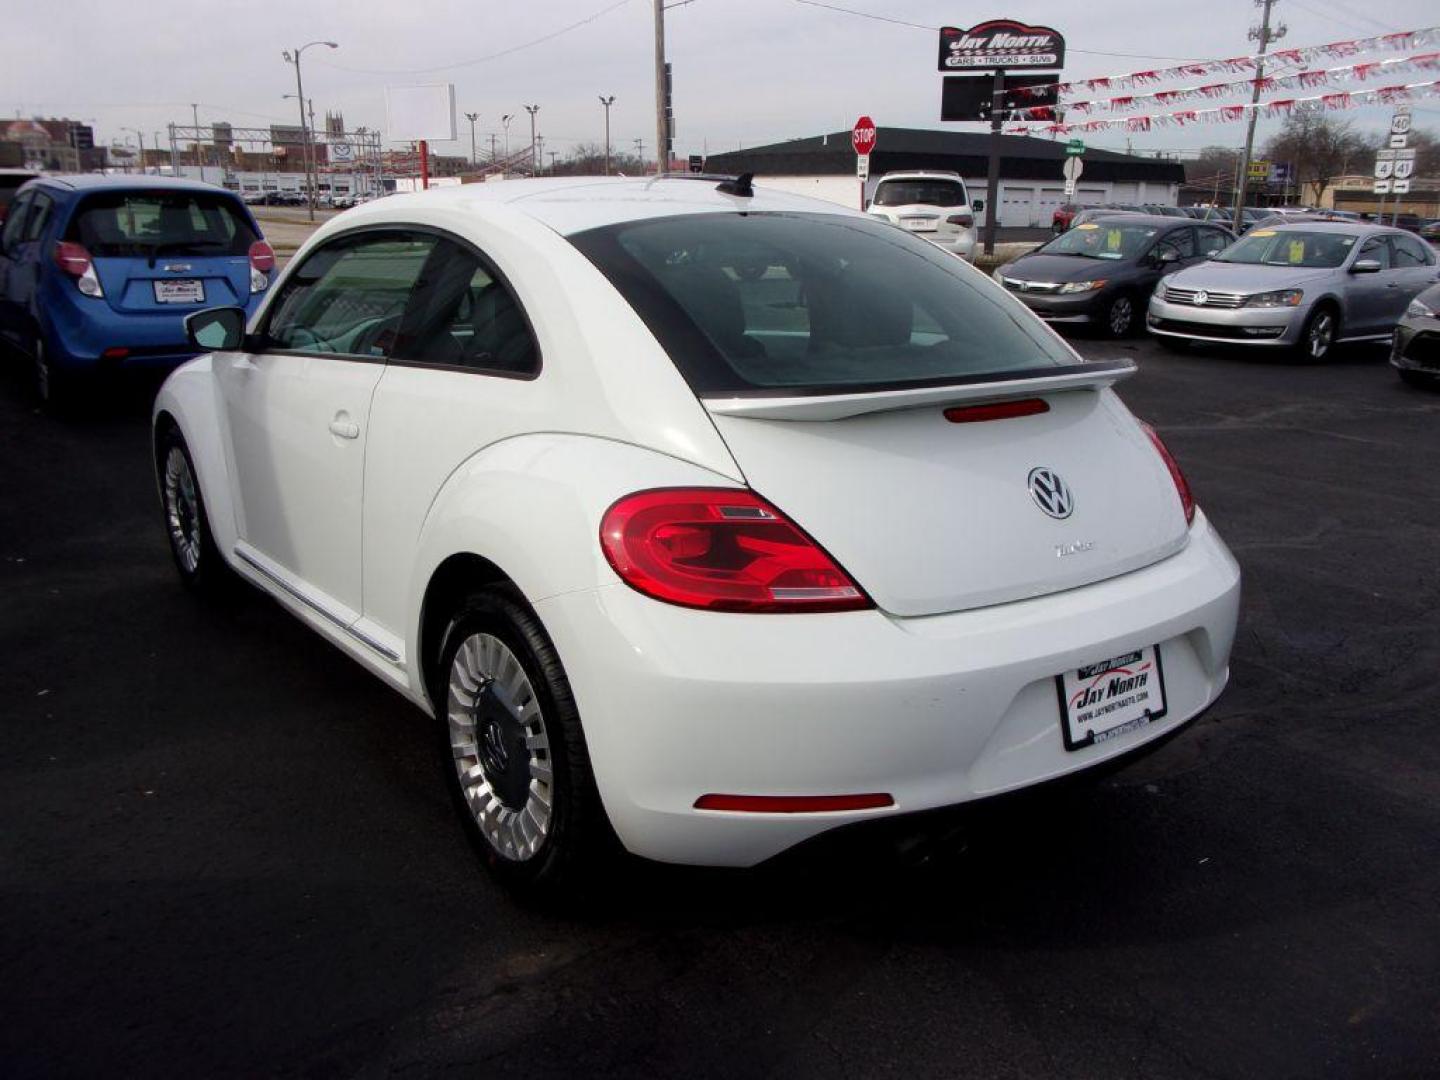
<point x="479" y="59"/>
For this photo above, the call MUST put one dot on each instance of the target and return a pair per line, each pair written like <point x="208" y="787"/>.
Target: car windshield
<point x="1290" y="247"/>
<point x="1108" y="239"/>
<point x="925" y="192"/>
<point x="812" y="303"/>
<point x="149" y="223"/>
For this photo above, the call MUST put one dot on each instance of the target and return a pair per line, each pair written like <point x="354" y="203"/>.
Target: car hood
<point x="1061" y="268"/>
<point x="1247" y="278"/>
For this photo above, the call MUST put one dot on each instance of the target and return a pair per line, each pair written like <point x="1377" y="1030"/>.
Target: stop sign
<point x="862" y="136"/>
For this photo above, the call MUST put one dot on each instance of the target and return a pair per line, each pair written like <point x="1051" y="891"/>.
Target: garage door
<point x="1017" y="207"/>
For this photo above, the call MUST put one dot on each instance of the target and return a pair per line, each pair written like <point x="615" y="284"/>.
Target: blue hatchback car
<point x="97" y="273"/>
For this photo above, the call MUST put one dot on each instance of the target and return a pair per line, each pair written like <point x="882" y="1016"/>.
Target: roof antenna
<point x="739" y="185"/>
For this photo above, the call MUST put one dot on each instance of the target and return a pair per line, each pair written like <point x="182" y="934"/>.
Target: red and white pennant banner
<point x="1347" y="99"/>
<point x="1299" y="80"/>
<point x="1404" y="41"/>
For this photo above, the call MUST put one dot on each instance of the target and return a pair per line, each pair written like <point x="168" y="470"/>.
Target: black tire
<point x="1118" y="320"/>
<point x="1420" y="379"/>
<point x="484" y="728"/>
<point x="54" y="389"/>
<point x="187" y="524"/>
<point x="1322" y="323"/>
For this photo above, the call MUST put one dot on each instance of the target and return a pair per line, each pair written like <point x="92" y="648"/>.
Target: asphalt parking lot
<point x="227" y="850"/>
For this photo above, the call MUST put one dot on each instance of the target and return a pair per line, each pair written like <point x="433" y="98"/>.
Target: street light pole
<point x="199" y="160"/>
<point x="662" y="127"/>
<point x="607" y="102"/>
<point x="472" y="117"/>
<point x="304" y="130"/>
<point x="532" y="110"/>
<point x="505" y="123"/>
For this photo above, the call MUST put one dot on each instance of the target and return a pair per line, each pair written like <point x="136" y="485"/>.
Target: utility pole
<point x="640" y="153"/>
<point x="492" y="148"/>
<point x="174" y="153"/>
<point x="540" y="152"/>
<point x="532" y="110"/>
<point x="607" y="102"/>
<point x="472" y="117"/>
<point x="195" y="114"/>
<point x="1264" y="35"/>
<point x="662" y="126"/>
<point x="553" y="156"/>
<point x="300" y="103"/>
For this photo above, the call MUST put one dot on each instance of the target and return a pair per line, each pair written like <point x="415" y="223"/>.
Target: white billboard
<point x="415" y="113"/>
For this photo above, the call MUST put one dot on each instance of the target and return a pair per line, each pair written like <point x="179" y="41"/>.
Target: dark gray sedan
<point x="1415" y="353"/>
<point x="1102" y="272"/>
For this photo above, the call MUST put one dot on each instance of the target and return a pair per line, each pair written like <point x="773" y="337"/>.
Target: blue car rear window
<point x="150" y="223"/>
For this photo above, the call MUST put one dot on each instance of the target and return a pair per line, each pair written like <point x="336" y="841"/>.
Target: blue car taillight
<point x="75" y="261"/>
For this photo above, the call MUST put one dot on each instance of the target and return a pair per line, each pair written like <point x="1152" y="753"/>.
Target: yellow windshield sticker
<point x="1263" y="232"/>
<point x="1112" y="240"/>
<point x="1087" y="226"/>
<point x="1297" y="251"/>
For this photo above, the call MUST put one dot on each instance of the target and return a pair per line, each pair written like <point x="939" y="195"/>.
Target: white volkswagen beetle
<point x="701" y="517"/>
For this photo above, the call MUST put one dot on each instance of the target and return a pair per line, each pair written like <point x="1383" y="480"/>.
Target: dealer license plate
<point x="1107" y="699"/>
<point x="180" y="291"/>
<point x="921" y="224"/>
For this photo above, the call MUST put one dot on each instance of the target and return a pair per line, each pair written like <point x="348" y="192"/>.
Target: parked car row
<point x="1293" y="283"/>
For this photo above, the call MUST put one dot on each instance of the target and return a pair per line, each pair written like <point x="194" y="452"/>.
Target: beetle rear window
<point x="814" y="303"/>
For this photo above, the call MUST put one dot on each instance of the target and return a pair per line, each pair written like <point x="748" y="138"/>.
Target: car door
<point x="10" y="244"/>
<point x="1414" y="267"/>
<point x="1370" y="298"/>
<point x="465" y="374"/>
<point x="297" y="407"/>
<point x="1210" y="241"/>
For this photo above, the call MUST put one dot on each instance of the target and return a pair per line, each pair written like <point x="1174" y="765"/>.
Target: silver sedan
<point x="1304" y="287"/>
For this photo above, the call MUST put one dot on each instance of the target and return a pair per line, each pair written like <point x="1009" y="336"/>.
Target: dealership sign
<point x="1001" y="43"/>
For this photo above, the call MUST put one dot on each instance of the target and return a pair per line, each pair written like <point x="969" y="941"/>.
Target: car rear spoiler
<point x="779" y="405"/>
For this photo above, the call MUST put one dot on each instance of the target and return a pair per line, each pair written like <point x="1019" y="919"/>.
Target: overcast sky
<point x="745" y="71"/>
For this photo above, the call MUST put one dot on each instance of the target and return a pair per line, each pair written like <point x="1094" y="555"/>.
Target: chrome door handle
<point x="345" y="429"/>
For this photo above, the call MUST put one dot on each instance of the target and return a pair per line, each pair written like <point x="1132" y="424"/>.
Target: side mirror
<point x="1169" y="255"/>
<point x="978" y="205"/>
<point x="216" y="328"/>
<point x="1365" y="266"/>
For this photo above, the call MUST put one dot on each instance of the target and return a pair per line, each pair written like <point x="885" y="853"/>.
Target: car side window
<point x="464" y="316"/>
<point x="349" y="295"/>
<point x="1181" y="241"/>
<point x="39" y="217"/>
<point x="1213" y="241"/>
<point x="15" y="223"/>
<point x="1375" y="248"/>
<point x="1410" y="251"/>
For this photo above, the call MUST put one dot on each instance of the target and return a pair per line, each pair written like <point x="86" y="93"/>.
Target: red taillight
<point x="793" y="804"/>
<point x="965" y="221"/>
<point x="998" y="410"/>
<point x="723" y="550"/>
<point x="1182" y="486"/>
<point x="262" y="256"/>
<point x="72" y="258"/>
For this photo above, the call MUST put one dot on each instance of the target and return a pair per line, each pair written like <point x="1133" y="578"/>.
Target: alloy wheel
<point x="1322" y="335"/>
<point x="182" y="510"/>
<point x="1122" y="313"/>
<point x="500" y="746"/>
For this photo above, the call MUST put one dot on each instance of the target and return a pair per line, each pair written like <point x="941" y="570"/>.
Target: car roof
<point x="1343" y="228"/>
<point x="574" y="204"/>
<point x="103" y="182"/>
<point x="920" y="174"/>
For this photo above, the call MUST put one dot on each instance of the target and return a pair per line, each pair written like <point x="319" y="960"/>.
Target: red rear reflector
<point x="999" y="410"/>
<point x="116" y="352"/>
<point x="72" y="258"/>
<point x="793" y="804"/>
<point x="722" y="549"/>
<point x="965" y="221"/>
<point x="262" y="256"/>
<point x="1182" y="486"/>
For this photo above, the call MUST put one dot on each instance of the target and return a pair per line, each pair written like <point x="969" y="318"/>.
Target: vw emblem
<point x="1051" y="493"/>
<point x="1201" y="298"/>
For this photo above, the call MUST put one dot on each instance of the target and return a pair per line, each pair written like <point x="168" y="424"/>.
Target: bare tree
<point x="1320" y="148"/>
<point x="1214" y="170"/>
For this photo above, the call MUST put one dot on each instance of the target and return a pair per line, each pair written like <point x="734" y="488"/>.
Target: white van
<point x="933" y="205"/>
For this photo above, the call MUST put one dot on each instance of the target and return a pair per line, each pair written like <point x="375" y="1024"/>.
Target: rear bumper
<point x="1230" y="326"/>
<point x="932" y="711"/>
